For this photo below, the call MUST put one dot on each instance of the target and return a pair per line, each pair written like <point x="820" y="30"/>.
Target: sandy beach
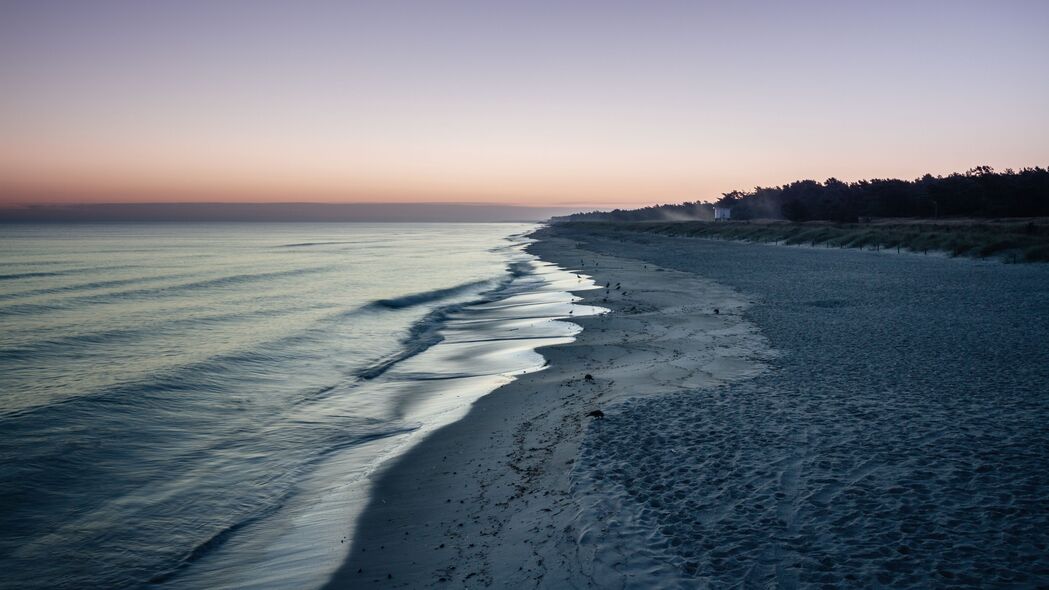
<point x="487" y="501"/>
<point x="757" y="444"/>
<point x="524" y="295"/>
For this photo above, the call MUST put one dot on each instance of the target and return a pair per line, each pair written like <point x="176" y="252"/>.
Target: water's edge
<point x="452" y="357"/>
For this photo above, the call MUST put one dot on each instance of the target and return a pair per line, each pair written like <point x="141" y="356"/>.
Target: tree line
<point x="980" y="192"/>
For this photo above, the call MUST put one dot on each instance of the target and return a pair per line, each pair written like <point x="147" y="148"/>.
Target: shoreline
<point x="489" y="499"/>
<point x="466" y="350"/>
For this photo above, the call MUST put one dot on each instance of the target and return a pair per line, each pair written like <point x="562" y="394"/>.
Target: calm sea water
<point x="199" y="405"/>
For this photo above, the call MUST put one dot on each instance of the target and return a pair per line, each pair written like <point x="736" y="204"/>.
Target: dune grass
<point x="1011" y="240"/>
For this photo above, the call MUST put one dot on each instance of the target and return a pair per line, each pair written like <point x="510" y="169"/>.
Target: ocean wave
<point x="307" y="244"/>
<point x="426" y="332"/>
<point x="199" y="378"/>
<point x="29" y="275"/>
<point x="76" y="299"/>
<point x="427" y="296"/>
<point x="51" y="347"/>
<point x="231" y="280"/>
<point x="422" y="335"/>
<point x="88" y="286"/>
<point x="217" y="539"/>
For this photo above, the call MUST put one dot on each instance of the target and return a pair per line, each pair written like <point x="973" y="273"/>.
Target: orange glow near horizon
<point x="622" y="107"/>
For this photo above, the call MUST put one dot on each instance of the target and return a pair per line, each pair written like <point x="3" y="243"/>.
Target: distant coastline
<point x="277" y="212"/>
<point x="979" y="193"/>
<point x="980" y="213"/>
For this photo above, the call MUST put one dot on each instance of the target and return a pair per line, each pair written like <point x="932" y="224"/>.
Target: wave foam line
<point x="426" y="332"/>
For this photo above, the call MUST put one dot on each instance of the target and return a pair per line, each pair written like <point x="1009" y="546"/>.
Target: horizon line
<point x="279" y="212"/>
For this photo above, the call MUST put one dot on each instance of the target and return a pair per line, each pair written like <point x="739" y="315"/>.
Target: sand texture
<point x="847" y="419"/>
<point x="488" y="501"/>
<point x="900" y="439"/>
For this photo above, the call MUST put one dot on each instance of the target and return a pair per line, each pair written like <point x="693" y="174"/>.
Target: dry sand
<point x="899" y="440"/>
<point x="489" y="500"/>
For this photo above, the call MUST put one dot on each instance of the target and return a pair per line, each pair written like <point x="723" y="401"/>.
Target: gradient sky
<point x="549" y="103"/>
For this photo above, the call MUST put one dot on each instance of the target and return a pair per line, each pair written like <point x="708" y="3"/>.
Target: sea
<point x="201" y="405"/>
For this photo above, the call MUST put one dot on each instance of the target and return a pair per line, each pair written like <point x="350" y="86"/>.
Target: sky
<point x="577" y="104"/>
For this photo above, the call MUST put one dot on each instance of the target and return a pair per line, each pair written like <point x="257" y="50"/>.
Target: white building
<point x="722" y="213"/>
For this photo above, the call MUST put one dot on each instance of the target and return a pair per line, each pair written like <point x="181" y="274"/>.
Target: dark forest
<point x="981" y="192"/>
